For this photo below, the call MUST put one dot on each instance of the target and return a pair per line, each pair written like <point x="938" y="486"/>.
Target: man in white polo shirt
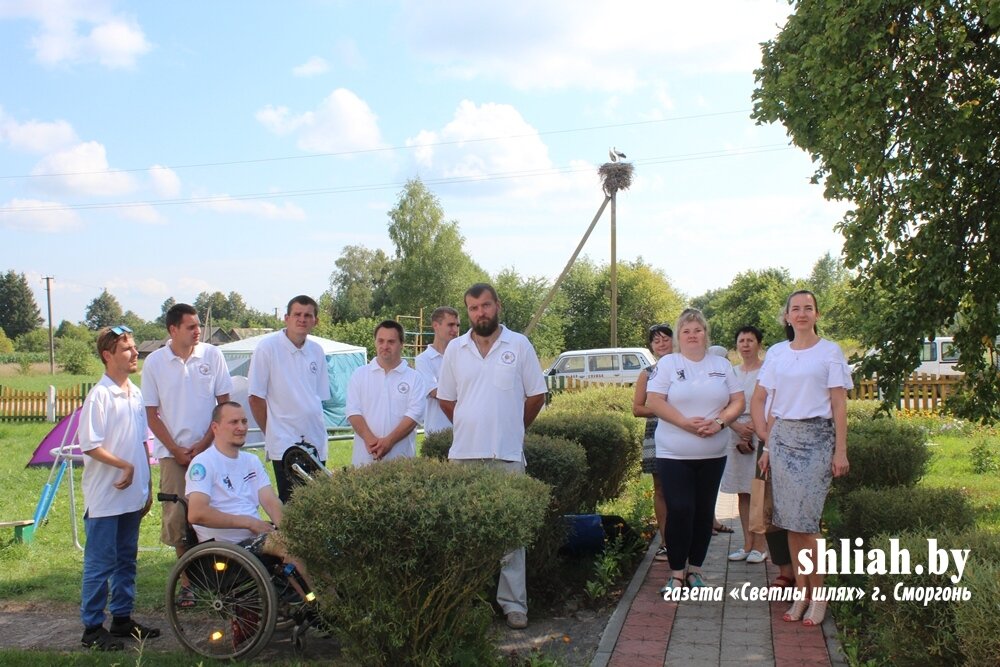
<point x="385" y="401"/>
<point x="444" y="322"/>
<point x="492" y="387"/>
<point x="288" y="383"/>
<point x="181" y="383"/>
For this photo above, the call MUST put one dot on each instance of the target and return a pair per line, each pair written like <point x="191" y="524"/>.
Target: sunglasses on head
<point x="661" y="328"/>
<point x="120" y="329"/>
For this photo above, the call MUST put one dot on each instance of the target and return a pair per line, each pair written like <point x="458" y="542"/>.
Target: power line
<point x="379" y="149"/>
<point x="346" y="189"/>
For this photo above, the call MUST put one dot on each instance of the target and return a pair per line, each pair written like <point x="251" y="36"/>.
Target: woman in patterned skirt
<point x="806" y="436"/>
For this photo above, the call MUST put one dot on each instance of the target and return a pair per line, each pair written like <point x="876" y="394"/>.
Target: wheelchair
<point x="237" y="596"/>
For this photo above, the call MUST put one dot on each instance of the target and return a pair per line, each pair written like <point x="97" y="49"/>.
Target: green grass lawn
<point x="49" y="568"/>
<point x="951" y="466"/>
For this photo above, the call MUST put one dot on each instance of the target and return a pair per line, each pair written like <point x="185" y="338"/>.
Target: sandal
<point x="694" y="580"/>
<point x="669" y="586"/>
<point x="781" y="581"/>
<point x="721" y="528"/>
<point x="795" y="612"/>
<point x="186" y="599"/>
<point x="815" y="615"/>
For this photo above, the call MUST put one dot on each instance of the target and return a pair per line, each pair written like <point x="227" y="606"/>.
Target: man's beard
<point x="488" y="327"/>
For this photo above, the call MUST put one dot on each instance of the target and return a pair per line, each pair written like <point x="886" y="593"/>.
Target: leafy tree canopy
<point x="18" y="311"/>
<point x="359" y="285"/>
<point x="897" y="102"/>
<point x="520" y="297"/>
<point x="103" y="311"/>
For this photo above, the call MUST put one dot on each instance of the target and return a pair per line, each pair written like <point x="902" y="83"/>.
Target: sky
<point x="162" y="149"/>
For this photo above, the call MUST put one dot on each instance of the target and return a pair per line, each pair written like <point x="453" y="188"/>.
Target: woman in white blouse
<point x="806" y="436"/>
<point x="696" y="396"/>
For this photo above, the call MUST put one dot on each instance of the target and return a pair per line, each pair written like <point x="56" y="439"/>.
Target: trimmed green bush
<point x="408" y="545"/>
<point x="883" y="453"/>
<point x="607" y="398"/>
<point x="868" y="512"/>
<point x="612" y="441"/>
<point x="437" y="444"/>
<point x="939" y="632"/>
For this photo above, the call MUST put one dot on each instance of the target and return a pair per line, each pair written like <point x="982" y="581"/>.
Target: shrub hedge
<point x="883" y="452"/>
<point x="868" y="512"/>
<point x="940" y="632"/>
<point x="613" y="444"/>
<point x="858" y="409"/>
<point x="408" y="545"/>
<point x="606" y="398"/>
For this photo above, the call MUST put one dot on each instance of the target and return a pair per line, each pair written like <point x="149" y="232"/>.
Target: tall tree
<point x="103" y="311"/>
<point x="753" y="298"/>
<point x="169" y="303"/>
<point x="898" y="103"/>
<point x="359" y="285"/>
<point x="432" y="267"/>
<point x="18" y="310"/>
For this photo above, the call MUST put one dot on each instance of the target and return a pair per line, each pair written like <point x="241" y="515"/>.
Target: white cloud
<point x="34" y="215"/>
<point x="142" y="213"/>
<point x="587" y="44"/>
<point x="194" y="285"/>
<point x="35" y="136"/>
<point x="83" y="169"/>
<point x="164" y="181"/>
<point x="254" y="207"/>
<point x="136" y="285"/>
<point x="312" y="67"/>
<point x="342" y="122"/>
<point x="79" y="32"/>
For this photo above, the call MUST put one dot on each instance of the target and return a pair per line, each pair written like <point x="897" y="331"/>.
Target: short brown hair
<point x="441" y="311"/>
<point x="477" y="290"/>
<point x="217" y="410"/>
<point x="303" y="300"/>
<point x="107" y="341"/>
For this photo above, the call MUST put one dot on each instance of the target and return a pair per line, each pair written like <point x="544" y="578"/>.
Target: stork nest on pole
<point x="615" y="176"/>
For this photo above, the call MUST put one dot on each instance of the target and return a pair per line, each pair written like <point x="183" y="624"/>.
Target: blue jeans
<point x="109" y="558"/>
<point x="690" y="487"/>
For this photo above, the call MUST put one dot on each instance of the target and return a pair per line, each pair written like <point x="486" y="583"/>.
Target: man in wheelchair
<point x="225" y="487"/>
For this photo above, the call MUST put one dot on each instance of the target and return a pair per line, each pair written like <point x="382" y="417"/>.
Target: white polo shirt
<point x="184" y="392"/>
<point x="428" y="364"/>
<point x="801" y="379"/>
<point x="490" y="394"/>
<point x="232" y="486"/>
<point x="115" y="420"/>
<point x="294" y="382"/>
<point x="384" y="399"/>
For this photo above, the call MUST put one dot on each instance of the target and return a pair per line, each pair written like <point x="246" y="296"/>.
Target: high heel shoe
<point x="815" y="615"/>
<point x="795" y="612"/>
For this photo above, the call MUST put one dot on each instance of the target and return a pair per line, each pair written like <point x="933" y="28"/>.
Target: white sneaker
<point x="755" y="557"/>
<point x="739" y="555"/>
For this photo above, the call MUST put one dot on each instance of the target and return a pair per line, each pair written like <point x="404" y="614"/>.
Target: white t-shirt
<point x="428" y="364"/>
<point x="695" y="389"/>
<point x="115" y="420"/>
<point x="294" y="382"/>
<point x="490" y="394"/>
<point x="184" y="392"/>
<point x="232" y="486"/>
<point x="384" y="399"/>
<point x="801" y="379"/>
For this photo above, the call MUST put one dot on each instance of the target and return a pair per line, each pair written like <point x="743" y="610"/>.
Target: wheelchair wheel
<point x="230" y="607"/>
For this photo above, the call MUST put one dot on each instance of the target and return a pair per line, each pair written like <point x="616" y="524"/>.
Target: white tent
<point x="341" y="360"/>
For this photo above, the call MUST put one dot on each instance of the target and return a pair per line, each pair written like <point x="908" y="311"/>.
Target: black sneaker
<point x="131" y="628"/>
<point x="99" y="639"/>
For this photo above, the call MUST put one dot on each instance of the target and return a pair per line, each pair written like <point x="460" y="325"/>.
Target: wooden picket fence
<point x="920" y="391"/>
<point x="19" y="405"/>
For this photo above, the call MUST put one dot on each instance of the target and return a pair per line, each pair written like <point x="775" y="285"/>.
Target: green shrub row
<point x="868" y="512"/>
<point x="27" y="357"/>
<point x="941" y="632"/>
<point x="400" y="552"/>
<point x="883" y="452"/>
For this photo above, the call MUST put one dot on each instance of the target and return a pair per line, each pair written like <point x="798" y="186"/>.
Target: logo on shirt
<point x="680" y="374"/>
<point x="203" y="369"/>
<point x="508" y="357"/>
<point x="716" y="374"/>
<point x="229" y="485"/>
<point x="403" y="388"/>
<point x="197" y="472"/>
<point x="313" y="367"/>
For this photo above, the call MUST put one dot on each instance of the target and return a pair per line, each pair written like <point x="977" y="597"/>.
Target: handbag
<point x="761" y="504"/>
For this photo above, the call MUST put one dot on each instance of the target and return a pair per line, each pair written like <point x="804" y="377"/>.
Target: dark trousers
<point x="690" y="488"/>
<point x="777" y="547"/>
<point x="281" y="479"/>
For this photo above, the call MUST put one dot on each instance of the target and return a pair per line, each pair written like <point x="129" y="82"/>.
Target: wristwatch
<point x="721" y="423"/>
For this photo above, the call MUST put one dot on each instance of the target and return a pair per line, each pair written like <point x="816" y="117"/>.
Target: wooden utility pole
<point x="52" y="341"/>
<point x="614" y="271"/>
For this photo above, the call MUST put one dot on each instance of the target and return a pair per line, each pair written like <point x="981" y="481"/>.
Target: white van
<point x="938" y="357"/>
<point x="611" y="365"/>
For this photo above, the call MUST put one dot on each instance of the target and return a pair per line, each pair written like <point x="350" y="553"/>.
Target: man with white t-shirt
<point x="181" y="383"/>
<point x="288" y="384"/>
<point x="492" y="388"/>
<point x="117" y="493"/>
<point x="444" y="322"/>
<point x="385" y="401"/>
